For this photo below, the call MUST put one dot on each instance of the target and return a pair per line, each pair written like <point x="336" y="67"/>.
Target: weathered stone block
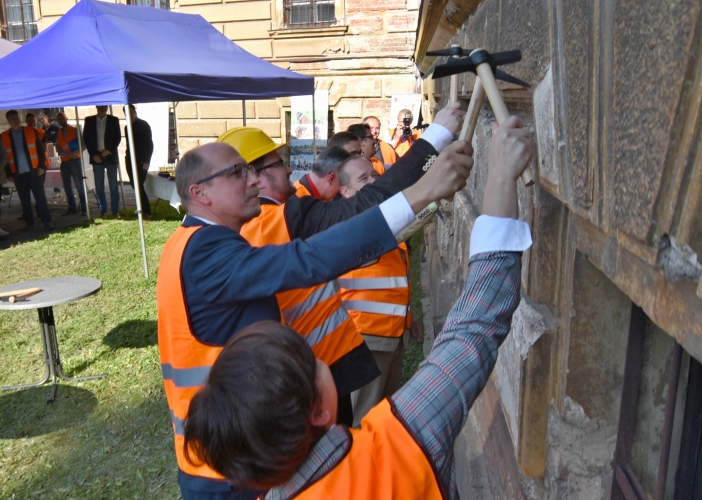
<point x="267" y="109"/>
<point x="55" y="7"/>
<point x="184" y="3"/>
<point x="354" y="87"/>
<point x="257" y="48"/>
<point x="185" y="144"/>
<point x="224" y="109"/>
<point x="547" y="141"/>
<point x="399" y="44"/>
<point x="360" y="24"/>
<point x="201" y="128"/>
<point x="249" y="30"/>
<point x="402" y="21"/>
<point x="373" y="5"/>
<point x="271" y="128"/>
<point x="405" y="85"/>
<point x="186" y="110"/>
<point x="308" y="47"/>
<point x="349" y="108"/>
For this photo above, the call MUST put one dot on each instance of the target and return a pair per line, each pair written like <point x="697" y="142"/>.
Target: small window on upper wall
<point x="20" y="21"/>
<point x="159" y="4"/>
<point x="309" y="13"/>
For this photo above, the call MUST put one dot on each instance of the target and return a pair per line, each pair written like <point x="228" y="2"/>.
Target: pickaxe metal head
<point x="455" y="66"/>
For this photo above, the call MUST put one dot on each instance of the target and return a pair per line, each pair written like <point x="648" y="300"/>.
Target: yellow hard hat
<point x="251" y="143"/>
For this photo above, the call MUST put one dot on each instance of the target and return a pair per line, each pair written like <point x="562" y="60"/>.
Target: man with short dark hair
<point x="26" y="167"/>
<point x="362" y="130"/>
<point x="212" y="283"/>
<point x="383" y="151"/>
<point x="404" y="448"/>
<point x="68" y="147"/>
<point x="143" y="149"/>
<point x="102" y="137"/>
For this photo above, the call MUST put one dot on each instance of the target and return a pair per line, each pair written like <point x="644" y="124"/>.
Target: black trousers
<point x="27" y="185"/>
<point x="145" y="205"/>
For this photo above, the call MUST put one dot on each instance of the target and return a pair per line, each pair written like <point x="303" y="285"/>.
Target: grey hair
<point x="371" y="117"/>
<point x="329" y="161"/>
<point x="192" y="167"/>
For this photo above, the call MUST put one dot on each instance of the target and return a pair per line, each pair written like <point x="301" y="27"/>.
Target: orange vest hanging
<point x="63" y="142"/>
<point x="315" y="313"/>
<point x="384" y="462"/>
<point x="31" y="140"/>
<point x="185" y="361"/>
<point x="377" y="296"/>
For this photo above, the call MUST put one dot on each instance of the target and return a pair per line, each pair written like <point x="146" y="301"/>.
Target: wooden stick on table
<point x="24" y="293"/>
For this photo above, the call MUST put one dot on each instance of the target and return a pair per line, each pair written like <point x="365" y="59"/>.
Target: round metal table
<point x="55" y="291"/>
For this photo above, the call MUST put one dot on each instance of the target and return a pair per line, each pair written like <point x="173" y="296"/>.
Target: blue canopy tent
<point x="101" y="54"/>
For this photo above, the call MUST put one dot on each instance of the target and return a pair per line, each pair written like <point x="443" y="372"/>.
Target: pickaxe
<point x="484" y="65"/>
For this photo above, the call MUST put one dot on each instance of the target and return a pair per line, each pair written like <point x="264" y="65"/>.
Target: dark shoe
<point x="70" y="211"/>
<point x="115" y="215"/>
<point x="146" y="216"/>
<point x="21" y="217"/>
<point x="83" y="213"/>
<point x="49" y="226"/>
<point x="29" y="227"/>
<point x="103" y="216"/>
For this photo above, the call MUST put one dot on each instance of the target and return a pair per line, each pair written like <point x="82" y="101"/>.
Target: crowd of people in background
<point x="27" y="151"/>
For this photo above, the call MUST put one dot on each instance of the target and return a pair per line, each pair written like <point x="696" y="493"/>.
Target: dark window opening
<point x="309" y="13"/>
<point x="688" y="481"/>
<point x="18" y="22"/>
<point x="159" y="4"/>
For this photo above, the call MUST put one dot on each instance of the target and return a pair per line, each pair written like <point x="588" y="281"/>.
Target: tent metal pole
<point x="132" y="158"/>
<point x="82" y="165"/>
<point x="314" y="131"/>
<point x="243" y="110"/>
<point x="119" y="174"/>
<point x="175" y="125"/>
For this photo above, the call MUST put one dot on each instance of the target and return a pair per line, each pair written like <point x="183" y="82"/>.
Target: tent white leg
<point x="130" y="139"/>
<point x="119" y="174"/>
<point x="243" y="110"/>
<point x="82" y="165"/>
<point x="314" y="131"/>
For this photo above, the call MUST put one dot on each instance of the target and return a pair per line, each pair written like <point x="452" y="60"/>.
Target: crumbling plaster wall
<point x="614" y="107"/>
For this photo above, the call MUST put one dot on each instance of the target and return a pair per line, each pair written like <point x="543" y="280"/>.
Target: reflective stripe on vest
<point x="31" y="147"/>
<point x="384" y="462"/>
<point x="185" y="361"/>
<point x="377" y="296"/>
<point x="64" y="141"/>
<point x="315" y="313"/>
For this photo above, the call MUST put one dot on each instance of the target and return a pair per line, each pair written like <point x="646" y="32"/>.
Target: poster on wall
<point x="302" y="129"/>
<point x="398" y="102"/>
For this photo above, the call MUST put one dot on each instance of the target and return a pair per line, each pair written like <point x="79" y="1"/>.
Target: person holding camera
<point x="403" y="136"/>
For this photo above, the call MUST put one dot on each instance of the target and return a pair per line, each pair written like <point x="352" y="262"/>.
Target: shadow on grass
<point x="132" y="334"/>
<point x="24" y="413"/>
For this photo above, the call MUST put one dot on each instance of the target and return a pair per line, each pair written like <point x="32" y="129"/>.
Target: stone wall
<point x="616" y="215"/>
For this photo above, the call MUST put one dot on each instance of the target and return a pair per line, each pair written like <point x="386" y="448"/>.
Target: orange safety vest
<point x="403" y="146"/>
<point x="301" y="190"/>
<point x="388" y="153"/>
<point x="185" y="361"/>
<point x="384" y="462"/>
<point x="377" y="296"/>
<point x="63" y="142"/>
<point x="31" y="146"/>
<point x="377" y="165"/>
<point x="315" y="313"/>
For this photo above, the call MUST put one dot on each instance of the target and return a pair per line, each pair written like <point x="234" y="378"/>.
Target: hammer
<point x="484" y="65"/>
<point x="19" y="294"/>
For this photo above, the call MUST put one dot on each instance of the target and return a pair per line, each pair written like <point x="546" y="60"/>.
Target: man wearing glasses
<point x="212" y="281"/>
<point x="362" y="130"/>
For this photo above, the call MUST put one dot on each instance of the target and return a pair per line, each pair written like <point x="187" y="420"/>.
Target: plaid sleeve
<point x="434" y="404"/>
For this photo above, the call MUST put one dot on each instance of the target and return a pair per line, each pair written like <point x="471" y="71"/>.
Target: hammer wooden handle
<point x="26" y="292"/>
<point x="498" y="106"/>
<point x="471" y="119"/>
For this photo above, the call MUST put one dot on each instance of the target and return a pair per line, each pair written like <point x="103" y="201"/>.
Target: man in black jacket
<point x="102" y="136"/>
<point x="143" y="149"/>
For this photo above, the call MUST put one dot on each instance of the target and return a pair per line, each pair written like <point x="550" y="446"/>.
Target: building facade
<point x="360" y="51"/>
<point x="596" y="393"/>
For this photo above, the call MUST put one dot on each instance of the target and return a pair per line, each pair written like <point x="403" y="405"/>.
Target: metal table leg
<point x="47" y="362"/>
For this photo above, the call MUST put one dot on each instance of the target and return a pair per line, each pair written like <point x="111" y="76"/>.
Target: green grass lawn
<point x="108" y="438"/>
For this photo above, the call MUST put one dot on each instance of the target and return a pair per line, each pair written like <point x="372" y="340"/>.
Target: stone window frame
<point x="27" y="21"/>
<point x="279" y="29"/>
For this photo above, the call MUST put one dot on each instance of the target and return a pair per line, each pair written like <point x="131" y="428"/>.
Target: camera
<point x="406" y="125"/>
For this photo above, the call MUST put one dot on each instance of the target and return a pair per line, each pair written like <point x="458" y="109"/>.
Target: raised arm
<point x="434" y="404"/>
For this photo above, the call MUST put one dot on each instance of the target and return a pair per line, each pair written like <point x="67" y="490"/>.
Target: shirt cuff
<point x="496" y="234"/>
<point x="397" y="213"/>
<point x="438" y="136"/>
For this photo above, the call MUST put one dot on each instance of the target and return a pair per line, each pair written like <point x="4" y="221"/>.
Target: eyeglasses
<point x="241" y="171"/>
<point x="279" y="163"/>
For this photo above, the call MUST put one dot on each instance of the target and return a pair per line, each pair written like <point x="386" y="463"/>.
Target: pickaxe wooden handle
<point x="487" y="81"/>
<point x="24" y="293"/>
<point x="471" y="119"/>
